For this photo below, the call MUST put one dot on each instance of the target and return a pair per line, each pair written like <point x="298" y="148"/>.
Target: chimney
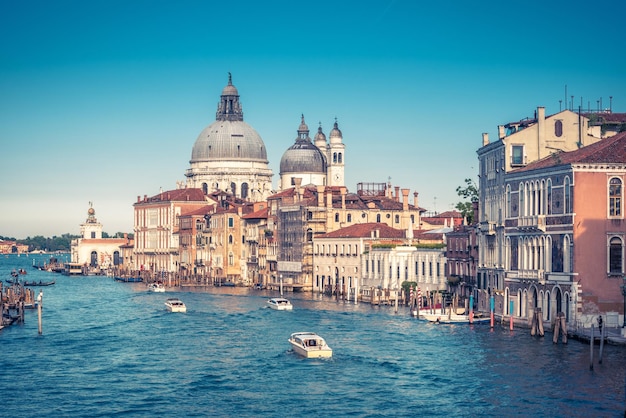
<point x="397" y="197"/>
<point x="415" y="194"/>
<point x="501" y="132"/>
<point x="541" y="133"/>
<point x="297" y="181"/>
<point x="239" y="211"/>
<point x="405" y="199"/>
<point x="138" y="198"/>
<point x="485" y="139"/>
<point x="320" y="196"/>
<point x="329" y="198"/>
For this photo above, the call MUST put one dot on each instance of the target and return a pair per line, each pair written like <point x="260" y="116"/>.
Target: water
<point x="111" y="348"/>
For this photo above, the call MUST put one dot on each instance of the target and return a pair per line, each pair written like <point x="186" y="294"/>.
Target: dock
<point x="15" y="299"/>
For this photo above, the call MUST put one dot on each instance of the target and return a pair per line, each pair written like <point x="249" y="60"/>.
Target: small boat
<point x="156" y="287"/>
<point x="451" y="318"/>
<point x="39" y="283"/>
<point x="128" y="279"/>
<point x="310" y="345"/>
<point x="279" y="304"/>
<point x="175" y="305"/>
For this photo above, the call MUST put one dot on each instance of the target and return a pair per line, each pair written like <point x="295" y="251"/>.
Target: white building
<point x="91" y="250"/>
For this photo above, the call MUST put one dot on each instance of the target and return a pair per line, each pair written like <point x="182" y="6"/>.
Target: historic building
<point x="318" y="162"/>
<point x="229" y="155"/>
<point x="519" y="144"/>
<point x="303" y="212"/>
<point x="157" y="225"/>
<point x="94" y="253"/>
<point x="565" y="235"/>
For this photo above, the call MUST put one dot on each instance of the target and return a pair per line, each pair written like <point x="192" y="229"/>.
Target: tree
<point x="470" y="191"/>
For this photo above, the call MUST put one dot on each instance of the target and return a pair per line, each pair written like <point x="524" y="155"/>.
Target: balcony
<point x="534" y="223"/>
<point x="488" y="228"/>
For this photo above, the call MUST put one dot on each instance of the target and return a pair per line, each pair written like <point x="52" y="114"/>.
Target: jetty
<point x="15" y="299"/>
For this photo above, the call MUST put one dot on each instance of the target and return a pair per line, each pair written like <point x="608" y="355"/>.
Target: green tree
<point x="469" y="193"/>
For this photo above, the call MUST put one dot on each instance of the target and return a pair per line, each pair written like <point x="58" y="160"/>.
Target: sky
<point x="102" y="101"/>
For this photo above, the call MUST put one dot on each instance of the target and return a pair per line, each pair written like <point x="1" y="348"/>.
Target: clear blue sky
<point x="102" y="101"/>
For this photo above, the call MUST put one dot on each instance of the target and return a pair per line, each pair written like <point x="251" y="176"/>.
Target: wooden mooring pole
<point x="39" y="306"/>
<point x="591" y="349"/>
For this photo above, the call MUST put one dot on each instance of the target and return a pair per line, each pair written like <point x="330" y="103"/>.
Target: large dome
<point x="229" y="137"/>
<point x="229" y="140"/>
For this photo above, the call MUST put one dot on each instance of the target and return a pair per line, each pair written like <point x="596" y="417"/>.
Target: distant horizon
<point x="104" y="104"/>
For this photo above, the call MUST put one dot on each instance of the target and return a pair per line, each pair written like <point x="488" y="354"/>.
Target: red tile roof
<point x="365" y="231"/>
<point x="611" y="150"/>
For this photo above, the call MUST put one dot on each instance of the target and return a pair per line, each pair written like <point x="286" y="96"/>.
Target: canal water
<point x="111" y="348"/>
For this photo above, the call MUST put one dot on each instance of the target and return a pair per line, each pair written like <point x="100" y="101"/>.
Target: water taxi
<point x="310" y="345"/>
<point x="451" y="318"/>
<point x="279" y="304"/>
<point x="156" y="287"/>
<point x="175" y="305"/>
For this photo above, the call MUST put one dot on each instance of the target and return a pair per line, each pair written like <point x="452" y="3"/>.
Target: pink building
<point x="565" y="236"/>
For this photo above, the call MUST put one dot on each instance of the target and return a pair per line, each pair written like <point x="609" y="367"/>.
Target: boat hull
<point x="443" y="318"/>
<point x="280" y="304"/>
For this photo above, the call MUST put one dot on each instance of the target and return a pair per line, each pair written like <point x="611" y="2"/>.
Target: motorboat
<point x="156" y="287"/>
<point x="175" y="305"/>
<point x="452" y="318"/>
<point x="310" y="345"/>
<point x="279" y="304"/>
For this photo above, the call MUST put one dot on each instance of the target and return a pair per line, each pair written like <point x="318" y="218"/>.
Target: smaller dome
<point x="335" y="132"/>
<point x="319" y="136"/>
<point x="303" y="157"/>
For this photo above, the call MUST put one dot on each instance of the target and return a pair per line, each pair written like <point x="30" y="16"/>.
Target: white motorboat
<point x="175" y="305"/>
<point x="452" y="318"/>
<point x="279" y="304"/>
<point x="310" y="345"/>
<point x="156" y="287"/>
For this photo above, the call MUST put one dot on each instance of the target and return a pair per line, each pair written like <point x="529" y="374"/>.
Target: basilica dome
<point x="229" y="140"/>
<point x="229" y="155"/>
<point x="229" y="137"/>
<point x="303" y="156"/>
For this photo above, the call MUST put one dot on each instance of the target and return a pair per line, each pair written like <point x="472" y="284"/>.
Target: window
<point x="616" y="251"/>
<point x="558" y="128"/>
<point x="397" y="218"/>
<point x="378" y="218"/>
<point x="615" y="197"/>
<point x="549" y="197"/>
<point x="521" y="211"/>
<point x="336" y="217"/>
<point x="568" y="195"/>
<point x="517" y="155"/>
<point x="231" y="222"/>
<point x="349" y="217"/>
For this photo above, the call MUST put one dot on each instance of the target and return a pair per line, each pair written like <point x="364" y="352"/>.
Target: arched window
<point x="378" y="218"/>
<point x="244" y="190"/>
<point x="340" y="158"/>
<point x="205" y="188"/>
<point x="397" y="218"/>
<point x="521" y="200"/>
<point x="94" y="259"/>
<point x="549" y="197"/>
<point x="230" y="239"/>
<point x="508" y="201"/>
<point x="334" y="157"/>
<point x="615" y="197"/>
<point x="616" y="256"/>
<point x="233" y="189"/>
<point x="568" y="195"/>
<point x="309" y="235"/>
